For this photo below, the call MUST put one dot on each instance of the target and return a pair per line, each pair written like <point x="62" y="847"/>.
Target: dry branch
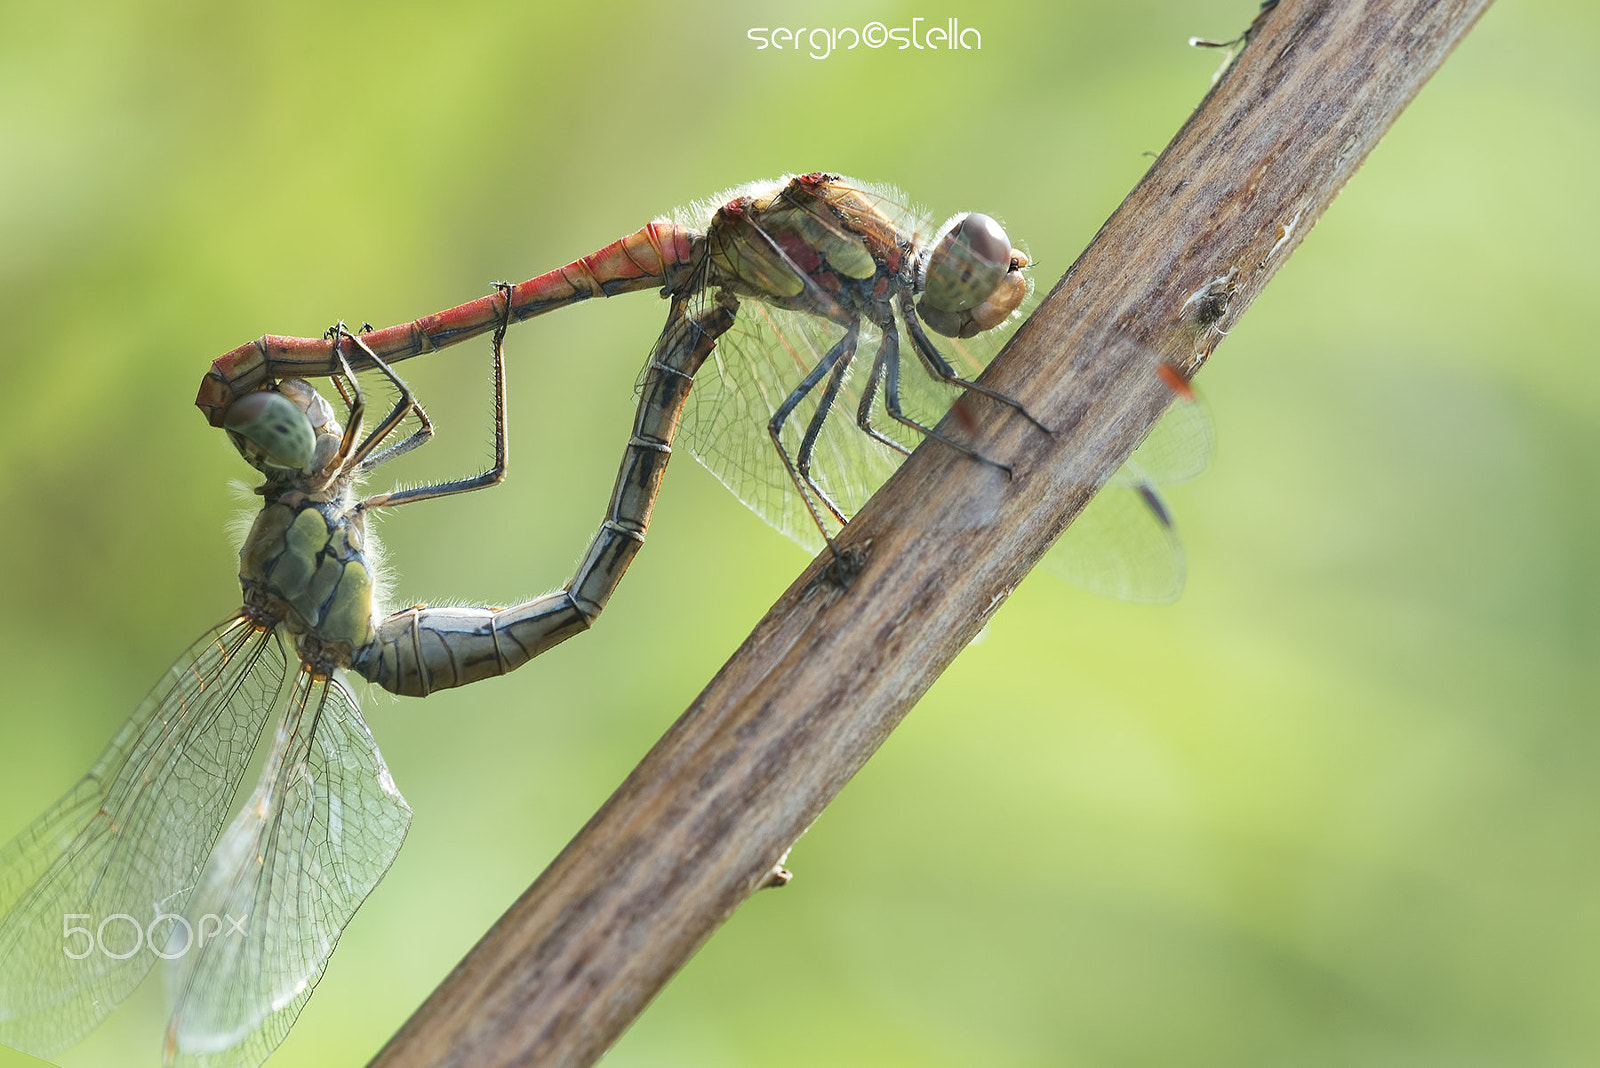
<point x="701" y="823"/>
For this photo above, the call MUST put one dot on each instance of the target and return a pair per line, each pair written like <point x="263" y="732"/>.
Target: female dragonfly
<point x="134" y="864"/>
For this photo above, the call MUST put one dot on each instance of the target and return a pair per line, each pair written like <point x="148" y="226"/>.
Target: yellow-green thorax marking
<point x="304" y="564"/>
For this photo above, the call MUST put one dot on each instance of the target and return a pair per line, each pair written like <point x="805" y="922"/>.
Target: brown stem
<point x="701" y="822"/>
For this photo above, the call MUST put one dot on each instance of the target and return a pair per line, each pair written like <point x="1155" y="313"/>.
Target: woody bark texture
<point x="704" y="819"/>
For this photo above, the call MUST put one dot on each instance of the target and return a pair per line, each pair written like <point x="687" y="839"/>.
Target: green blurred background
<point x="1336" y="807"/>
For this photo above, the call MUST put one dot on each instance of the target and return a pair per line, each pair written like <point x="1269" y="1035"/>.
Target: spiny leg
<point x="495" y="474"/>
<point x="342" y="377"/>
<point x="940" y="367"/>
<point x="351" y="458"/>
<point x="344" y="380"/>
<point x="420" y="436"/>
<point x="355" y="400"/>
<point x="889" y="360"/>
<point x="887" y="348"/>
<point x="825" y="404"/>
<point x="779" y="417"/>
<point x="405" y="398"/>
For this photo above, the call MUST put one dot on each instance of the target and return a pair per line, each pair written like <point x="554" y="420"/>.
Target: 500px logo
<point x="145" y="937"/>
<point x="825" y="40"/>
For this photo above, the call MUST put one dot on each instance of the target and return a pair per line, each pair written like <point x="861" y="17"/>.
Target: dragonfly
<point x="773" y="292"/>
<point x="134" y="864"/>
<point x="814" y="270"/>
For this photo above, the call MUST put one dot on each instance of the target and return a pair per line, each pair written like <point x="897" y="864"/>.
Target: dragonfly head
<point x="972" y="280"/>
<point x="287" y="428"/>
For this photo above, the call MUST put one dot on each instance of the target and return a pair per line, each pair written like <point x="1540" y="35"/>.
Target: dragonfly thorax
<point x="304" y="564"/>
<point x="972" y="279"/>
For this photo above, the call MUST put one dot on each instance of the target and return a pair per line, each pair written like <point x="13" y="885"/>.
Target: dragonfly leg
<point x="842" y="350"/>
<point x="496" y="474"/>
<point x="421" y="436"/>
<point x="352" y="456"/>
<point x="940" y="367"/>
<point x="424" y="649"/>
<point x="355" y="400"/>
<point x="830" y="394"/>
<point x="888" y="347"/>
<point x="889" y="361"/>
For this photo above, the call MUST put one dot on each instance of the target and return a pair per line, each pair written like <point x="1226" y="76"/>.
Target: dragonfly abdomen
<point x="420" y="650"/>
<point x="656" y="255"/>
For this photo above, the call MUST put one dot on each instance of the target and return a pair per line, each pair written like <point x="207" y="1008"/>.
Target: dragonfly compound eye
<point x="970" y="281"/>
<point x="965" y="266"/>
<point x="271" y="428"/>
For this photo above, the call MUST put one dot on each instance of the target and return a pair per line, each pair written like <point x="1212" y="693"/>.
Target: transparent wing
<point x="754" y="368"/>
<point x="769" y="353"/>
<point x="1124" y="544"/>
<point x="85" y="885"/>
<point x="889" y="202"/>
<point x="1177" y="449"/>
<point x="319" y="832"/>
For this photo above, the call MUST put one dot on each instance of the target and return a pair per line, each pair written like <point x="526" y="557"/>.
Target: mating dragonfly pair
<point x="775" y="290"/>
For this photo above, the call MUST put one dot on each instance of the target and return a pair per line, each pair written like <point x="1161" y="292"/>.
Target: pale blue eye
<point x="275" y="426"/>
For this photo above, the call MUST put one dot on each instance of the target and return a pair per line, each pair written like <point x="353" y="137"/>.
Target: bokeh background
<point x="1336" y="807"/>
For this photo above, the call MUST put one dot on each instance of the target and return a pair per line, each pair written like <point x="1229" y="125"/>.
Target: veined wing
<point x="752" y="370"/>
<point x="86" y="885"/>
<point x="758" y="363"/>
<point x="1124" y="544"/>
<point x="854" y="198"/>
<point x="319" y="832"/>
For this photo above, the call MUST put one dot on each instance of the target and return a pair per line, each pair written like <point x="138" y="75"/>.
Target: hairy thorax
<point x="303" y="564"/>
